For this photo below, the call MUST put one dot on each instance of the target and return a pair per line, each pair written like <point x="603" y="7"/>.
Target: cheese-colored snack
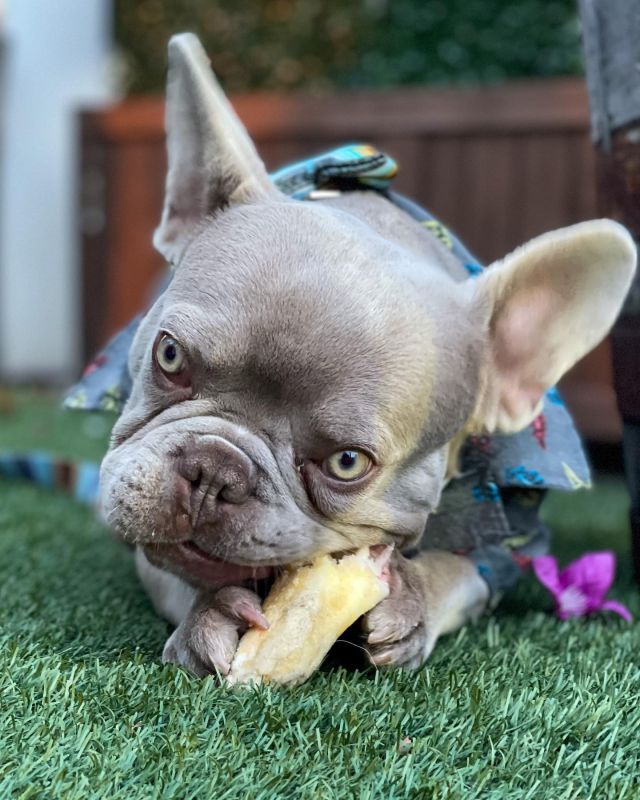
<point x="308" y="608"/>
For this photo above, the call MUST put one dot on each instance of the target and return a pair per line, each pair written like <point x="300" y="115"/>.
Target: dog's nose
<point x="218" y="471"/>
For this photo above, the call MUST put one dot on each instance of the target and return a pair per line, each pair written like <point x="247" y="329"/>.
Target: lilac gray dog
<point x="307" y="380"/>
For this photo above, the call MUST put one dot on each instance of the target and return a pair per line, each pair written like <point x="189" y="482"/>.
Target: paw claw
<point x="381" y="659"/>
<point x="242" y="605"/>
<point x="397" y="627"/>
<point x="392" y="631"/>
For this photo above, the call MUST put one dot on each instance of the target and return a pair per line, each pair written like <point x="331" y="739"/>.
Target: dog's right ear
<point x="212" y="160"/>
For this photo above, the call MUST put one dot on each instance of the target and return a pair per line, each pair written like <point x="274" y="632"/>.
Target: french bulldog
<point x="305" y="381"/>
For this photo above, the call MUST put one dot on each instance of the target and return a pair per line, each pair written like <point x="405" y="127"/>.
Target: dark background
<point x="319" y="45"/>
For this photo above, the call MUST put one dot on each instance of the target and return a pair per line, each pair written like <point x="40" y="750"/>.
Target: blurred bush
<point x="321" y="44"/>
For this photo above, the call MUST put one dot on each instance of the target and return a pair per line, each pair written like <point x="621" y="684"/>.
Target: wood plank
<point x="440" y="178"/>
<point x="134" y="264"/>
<point x="555" y="104"/>
<point x="588" y="391"/>
<point x="406" y="150"/>
<point x="93" y="228"/>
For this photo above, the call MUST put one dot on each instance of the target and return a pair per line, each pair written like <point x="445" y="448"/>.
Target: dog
<point x="308" y="379"/>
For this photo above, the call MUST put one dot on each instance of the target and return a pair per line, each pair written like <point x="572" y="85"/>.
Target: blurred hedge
<point x="320" y="44"/>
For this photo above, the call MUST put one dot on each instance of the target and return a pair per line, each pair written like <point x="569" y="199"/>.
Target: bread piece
<point x="308" y="608"/>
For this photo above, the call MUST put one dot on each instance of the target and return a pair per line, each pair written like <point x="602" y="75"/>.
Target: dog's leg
<point x="434" y="593"/>
<point x="172" y="597"/>
<point x="206" y="640"/>
<point x="208" y="623"/>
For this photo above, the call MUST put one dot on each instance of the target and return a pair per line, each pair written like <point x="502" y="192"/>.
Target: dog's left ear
<point x="547" y="304"/>
<point x="212" y="161"/>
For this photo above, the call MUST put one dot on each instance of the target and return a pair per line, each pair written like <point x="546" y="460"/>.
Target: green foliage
<point x="518" y="706"/>
<point x="322" y="44"/>
<point x="35" y="419"/>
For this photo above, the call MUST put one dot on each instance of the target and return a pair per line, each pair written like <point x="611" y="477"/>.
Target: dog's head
<point x="296" y="387"/>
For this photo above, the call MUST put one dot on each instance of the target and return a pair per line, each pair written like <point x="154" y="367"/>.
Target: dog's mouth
<point x="203" y="567"/>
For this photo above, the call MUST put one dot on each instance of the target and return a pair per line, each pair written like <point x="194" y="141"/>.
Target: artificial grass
<point x="516" y="706"/>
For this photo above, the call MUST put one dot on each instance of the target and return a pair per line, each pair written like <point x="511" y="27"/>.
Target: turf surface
<point x="517" y="706"/>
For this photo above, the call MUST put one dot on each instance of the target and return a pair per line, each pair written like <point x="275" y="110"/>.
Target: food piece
<point x="308" y="608"/>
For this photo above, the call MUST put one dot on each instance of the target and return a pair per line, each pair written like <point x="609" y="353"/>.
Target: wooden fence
<point x="498" y="164"/>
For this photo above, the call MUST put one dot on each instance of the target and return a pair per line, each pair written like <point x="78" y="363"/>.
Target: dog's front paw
<point x="398" y="628"/>
<point x="206" y="640"/>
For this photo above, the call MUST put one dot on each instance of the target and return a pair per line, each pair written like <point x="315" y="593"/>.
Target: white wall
<point x="56" y="60"/>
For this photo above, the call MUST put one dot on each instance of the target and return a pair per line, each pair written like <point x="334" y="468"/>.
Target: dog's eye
<point x="170" y="355"/>
<point x="347" y="465"/>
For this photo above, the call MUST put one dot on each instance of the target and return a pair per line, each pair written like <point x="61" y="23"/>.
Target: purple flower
<point x="581" y="586"/>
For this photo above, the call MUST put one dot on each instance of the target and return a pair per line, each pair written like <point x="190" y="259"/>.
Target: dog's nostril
<point x="235" y="492"/>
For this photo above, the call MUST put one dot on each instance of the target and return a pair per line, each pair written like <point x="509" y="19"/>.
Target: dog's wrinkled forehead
<point x="300" y="303"/>
<point x="299" y="297"/>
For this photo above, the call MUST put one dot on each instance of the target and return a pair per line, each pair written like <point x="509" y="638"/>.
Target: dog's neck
<point x="395" y="225"/>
